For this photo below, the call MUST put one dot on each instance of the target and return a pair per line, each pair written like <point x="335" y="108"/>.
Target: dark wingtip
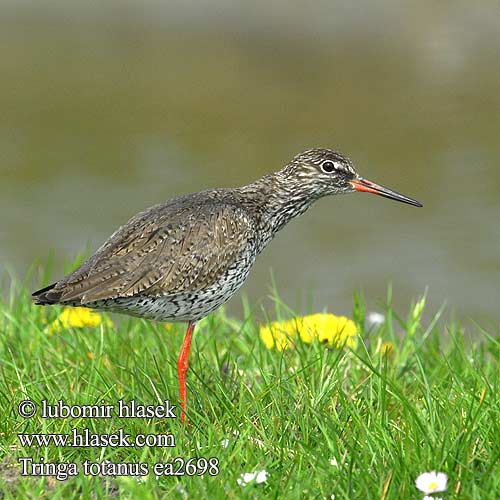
<point x="46" y="296"/>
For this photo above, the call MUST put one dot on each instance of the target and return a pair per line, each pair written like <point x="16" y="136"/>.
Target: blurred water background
<point x="110" y="107"/>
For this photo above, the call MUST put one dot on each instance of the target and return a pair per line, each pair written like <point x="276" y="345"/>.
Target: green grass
<point x="432" y="405"/>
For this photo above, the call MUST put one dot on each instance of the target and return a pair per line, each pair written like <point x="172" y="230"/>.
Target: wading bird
<point x="182" y="259"/>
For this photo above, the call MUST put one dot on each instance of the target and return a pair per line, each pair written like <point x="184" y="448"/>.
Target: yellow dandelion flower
<point x="327" y="328"/>
<point x="90" y="355"/>
<point x="77" y="317"/>
<point x="387" y="349"/>
<point x="279" y="334"/>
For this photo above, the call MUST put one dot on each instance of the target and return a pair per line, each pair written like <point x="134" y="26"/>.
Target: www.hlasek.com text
<point x="86" y="439"/>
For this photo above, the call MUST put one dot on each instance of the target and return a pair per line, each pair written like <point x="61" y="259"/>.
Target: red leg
<point x="183" y="365"/>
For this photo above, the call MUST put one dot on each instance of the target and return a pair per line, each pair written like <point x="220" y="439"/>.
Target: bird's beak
<point x="361" y="184"/>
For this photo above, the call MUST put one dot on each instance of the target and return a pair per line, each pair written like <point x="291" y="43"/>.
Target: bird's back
<point x="184" y="246"/>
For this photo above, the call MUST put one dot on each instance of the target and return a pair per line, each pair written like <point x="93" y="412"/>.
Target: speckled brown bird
<point x="182" y="259"/>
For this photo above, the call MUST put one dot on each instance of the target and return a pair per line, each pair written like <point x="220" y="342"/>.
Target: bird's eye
<point x="328" y="166"/>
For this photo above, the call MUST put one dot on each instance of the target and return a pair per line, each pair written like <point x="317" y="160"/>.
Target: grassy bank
<point x="358" y="422"/>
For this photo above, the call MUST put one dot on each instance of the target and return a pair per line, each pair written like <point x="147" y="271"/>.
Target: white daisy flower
<point x="432" y="482"/>
<point x="261" y="477"/>
<point x="427" y="497"/>
<point x="334" y="462"/>
<point x="374" y="319"/>
<point x="248" y="477"/>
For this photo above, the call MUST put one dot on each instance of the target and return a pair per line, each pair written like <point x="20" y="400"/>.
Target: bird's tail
<point x="47" y="296"/>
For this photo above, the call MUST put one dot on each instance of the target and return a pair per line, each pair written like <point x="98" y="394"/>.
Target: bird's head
<point x="324" y="172"/>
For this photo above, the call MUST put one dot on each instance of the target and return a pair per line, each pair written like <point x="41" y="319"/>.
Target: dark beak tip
<point x="412" y="202"/>
<point x="415" y="204"/>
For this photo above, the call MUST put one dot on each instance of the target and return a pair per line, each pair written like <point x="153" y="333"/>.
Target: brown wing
<point x="164" y="250"/>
